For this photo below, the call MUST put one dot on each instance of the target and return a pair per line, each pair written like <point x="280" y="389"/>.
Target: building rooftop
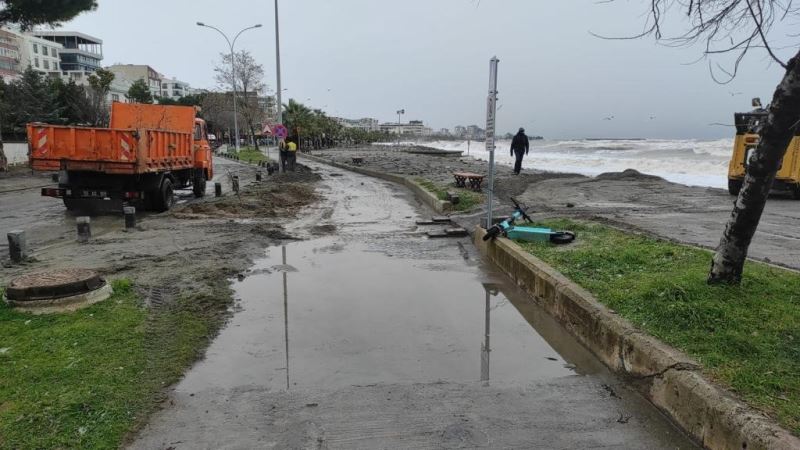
<point x="82" y="38"/>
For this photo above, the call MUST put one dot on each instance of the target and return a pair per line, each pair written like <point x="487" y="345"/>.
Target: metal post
<point x="491" y="110"/>
<point x="233" y="85"/>
<point x="278" y="64"/>
<point x="399" y="130"/>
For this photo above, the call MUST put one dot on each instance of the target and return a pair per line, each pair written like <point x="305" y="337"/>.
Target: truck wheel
<point x="165" y="199"/>
<point x="734" y="186"/>
<point x="199" y="186"/>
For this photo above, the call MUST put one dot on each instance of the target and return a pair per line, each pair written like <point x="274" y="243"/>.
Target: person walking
<point x="291" y="155"/>
<point x="519" y="148"/>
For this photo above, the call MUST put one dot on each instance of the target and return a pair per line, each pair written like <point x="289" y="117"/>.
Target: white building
<point x="174" y="89"/>
<point x="414" y="127"/>
<point x="18" y="51"/>
<point x="366" y="123"/>
<point x="41" y="55"/>
<point x="80" y="55"/>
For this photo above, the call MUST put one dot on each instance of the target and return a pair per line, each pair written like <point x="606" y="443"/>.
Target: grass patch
<point x="249" y="155"/>
<point x="467" y="199"/>
<point x="86" y="379"/>
<point x="747" y="337"/>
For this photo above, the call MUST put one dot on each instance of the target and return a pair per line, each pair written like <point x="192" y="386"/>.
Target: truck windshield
<point x="198" y="132"/>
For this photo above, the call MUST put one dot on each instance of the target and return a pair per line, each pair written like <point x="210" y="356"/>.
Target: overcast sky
<point x="368" y="58"/>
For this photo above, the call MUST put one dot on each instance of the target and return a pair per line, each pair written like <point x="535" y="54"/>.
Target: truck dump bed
<point x="141" y="139"/>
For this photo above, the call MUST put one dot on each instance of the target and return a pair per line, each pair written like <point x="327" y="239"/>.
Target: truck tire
<point x="199" y="186"/>
<point x="165" y="196"/>
<point x="796" y="191"/>
<point x="734" y="186"/>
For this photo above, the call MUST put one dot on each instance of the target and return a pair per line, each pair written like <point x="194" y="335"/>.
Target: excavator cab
<point x="748" y="129"/>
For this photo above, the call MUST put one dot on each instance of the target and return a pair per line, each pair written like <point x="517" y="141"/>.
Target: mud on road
<point x="629" y="199"/>
<point x="192" y="250"/>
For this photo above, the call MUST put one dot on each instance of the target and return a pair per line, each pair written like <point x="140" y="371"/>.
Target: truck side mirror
<point x="756" y="102"/>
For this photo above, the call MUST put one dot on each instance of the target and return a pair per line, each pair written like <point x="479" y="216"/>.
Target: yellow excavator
<point x="748" y="126"/>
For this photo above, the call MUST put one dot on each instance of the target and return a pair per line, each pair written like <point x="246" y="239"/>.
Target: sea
<point x="692" y="162"/>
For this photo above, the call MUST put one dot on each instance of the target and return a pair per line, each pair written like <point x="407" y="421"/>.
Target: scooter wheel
<point x="562" y="237"/>
<point x="492" y="233"/>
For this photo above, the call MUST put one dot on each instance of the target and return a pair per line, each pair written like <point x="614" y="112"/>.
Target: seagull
<point x="652" y="117"/>
<point x="608" y="118"/>
<point x="734" y="93"/>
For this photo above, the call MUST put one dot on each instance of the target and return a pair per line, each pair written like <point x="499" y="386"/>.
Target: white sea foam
<point x="690" y="161"/>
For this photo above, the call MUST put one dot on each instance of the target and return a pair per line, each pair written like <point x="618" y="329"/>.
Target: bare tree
<point x="249" y="82"/>
<point x="734" y="28"/>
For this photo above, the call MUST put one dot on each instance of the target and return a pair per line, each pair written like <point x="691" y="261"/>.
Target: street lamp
<point x="278" y="63"/>
<point x="399" y="129"/>
<point x="233" y="72"/>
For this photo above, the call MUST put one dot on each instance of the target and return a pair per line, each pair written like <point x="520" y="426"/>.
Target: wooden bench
<point x="469" y="179"/>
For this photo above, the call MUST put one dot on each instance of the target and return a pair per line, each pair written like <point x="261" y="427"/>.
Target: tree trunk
<point x="776" y="134"/>
<point x="253" y="136"/>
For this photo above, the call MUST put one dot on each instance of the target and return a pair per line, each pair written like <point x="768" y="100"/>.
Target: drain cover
<point x="53" y="284"/>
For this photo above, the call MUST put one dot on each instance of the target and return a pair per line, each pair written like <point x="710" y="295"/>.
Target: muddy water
<point x="377" y="337"/>
<point x="378" y="302"/>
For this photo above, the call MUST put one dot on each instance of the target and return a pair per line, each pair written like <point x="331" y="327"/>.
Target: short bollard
<point x="235" y="183"/>
<point x="130" y="217"/>
<point x="258" y="176"/>
<point x="84" y="228"/>
<point x="218" y="189"/>
<point x="17" y="246"/>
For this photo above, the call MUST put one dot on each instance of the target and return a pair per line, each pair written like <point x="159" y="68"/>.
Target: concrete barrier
<point x="16" y="153"/>
<point x="425" y="196"/>
<point x="672" y="381"/>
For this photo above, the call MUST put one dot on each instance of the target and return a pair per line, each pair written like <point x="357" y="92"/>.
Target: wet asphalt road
<point x="378" y="337"/>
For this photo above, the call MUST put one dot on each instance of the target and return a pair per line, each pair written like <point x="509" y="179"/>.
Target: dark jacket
<point x="520" y="142"/>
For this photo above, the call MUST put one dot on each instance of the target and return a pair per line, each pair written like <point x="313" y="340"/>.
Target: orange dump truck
<point x="146" y="153"/>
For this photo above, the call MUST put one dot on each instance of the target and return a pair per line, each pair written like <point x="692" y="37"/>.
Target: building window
<point x="46" y="64"/>
<point x="35" y="48"/>
<point x="55" y="66"/>
<point x="44" y="50"/>
<point x="36" y="62"/>
<point x="54" y="52"/>
<point x="114" y="97"/>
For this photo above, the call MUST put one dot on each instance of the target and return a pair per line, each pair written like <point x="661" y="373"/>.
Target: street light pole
<point x="233" y="72"/>
<point x="399" y="129"/>
<point x="278" y="64"/>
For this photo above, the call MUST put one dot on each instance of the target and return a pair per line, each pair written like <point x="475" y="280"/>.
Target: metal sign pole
<point x="491" y="110"/>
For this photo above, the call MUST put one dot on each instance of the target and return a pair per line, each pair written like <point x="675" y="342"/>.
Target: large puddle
<point x="381" y="303"/>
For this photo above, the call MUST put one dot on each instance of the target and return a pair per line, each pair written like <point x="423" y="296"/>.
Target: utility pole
<point x="399" y="128"/>
<point x="491" y="111"/>
<point x="278" y="64"/>
<point x="233" y="72"/>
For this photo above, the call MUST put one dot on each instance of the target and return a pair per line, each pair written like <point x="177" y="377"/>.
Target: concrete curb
<point x="440" y="206"/>
<point x="672" y="381"/>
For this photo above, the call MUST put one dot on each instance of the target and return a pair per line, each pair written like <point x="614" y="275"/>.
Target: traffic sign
<point x="280" y="131"/>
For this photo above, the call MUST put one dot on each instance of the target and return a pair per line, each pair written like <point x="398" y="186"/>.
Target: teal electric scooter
<point x="530" y="234"/>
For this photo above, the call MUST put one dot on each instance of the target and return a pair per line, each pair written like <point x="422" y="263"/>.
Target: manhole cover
<point x="53" y="284"/>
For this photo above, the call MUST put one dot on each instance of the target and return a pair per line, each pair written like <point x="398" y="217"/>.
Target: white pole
<point x="278" y="64"/>
<point x="491" y="110"/>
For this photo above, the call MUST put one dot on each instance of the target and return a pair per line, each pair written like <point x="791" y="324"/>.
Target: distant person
<point x="283" y="153"/>
<point x="519" y="148"/>
<point x="291" y="155"/>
